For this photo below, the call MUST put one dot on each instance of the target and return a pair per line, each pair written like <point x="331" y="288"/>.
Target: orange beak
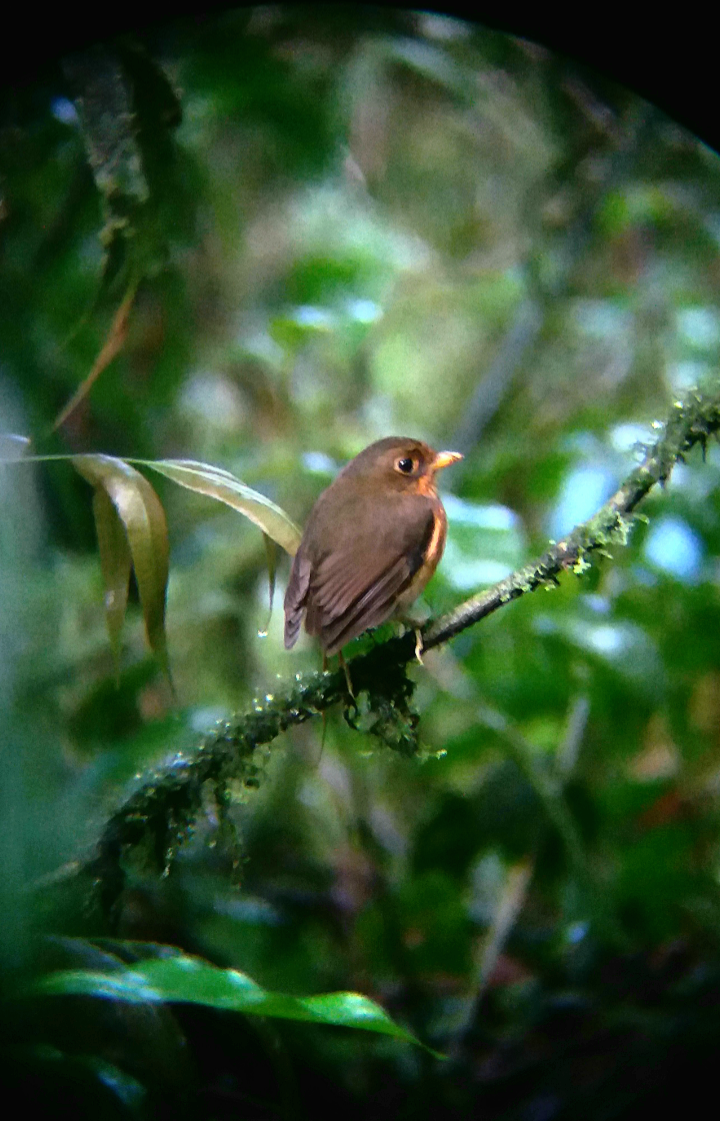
<point x="444" y="459"/>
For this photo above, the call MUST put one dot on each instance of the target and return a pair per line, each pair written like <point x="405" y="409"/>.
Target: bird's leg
<point x="415" y="625"/>
<point x="346" y="671"/>
<point x="323" y="717"/>
<point x="322" y="741"/>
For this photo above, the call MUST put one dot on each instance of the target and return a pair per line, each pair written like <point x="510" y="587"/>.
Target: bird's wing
<point x="296" y="595"/>
<point x="356" y="585"/>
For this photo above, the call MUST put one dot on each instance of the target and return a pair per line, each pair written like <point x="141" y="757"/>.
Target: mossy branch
<point x="158" y="816"/>
<point x="692" y="421"/>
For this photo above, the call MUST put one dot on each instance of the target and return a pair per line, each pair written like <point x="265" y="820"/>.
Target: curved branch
<point x="691" y="422"/>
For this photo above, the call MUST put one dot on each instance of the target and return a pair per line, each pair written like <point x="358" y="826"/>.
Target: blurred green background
<point x="345" y="223"/>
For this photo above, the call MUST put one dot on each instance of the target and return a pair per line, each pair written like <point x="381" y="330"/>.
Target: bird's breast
<point x="432" y="552"/>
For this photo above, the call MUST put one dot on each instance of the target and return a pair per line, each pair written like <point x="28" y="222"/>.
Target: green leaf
<point x="216" y="483"/>
<point x="143" y="519"/>
<point x="183" y="978"/>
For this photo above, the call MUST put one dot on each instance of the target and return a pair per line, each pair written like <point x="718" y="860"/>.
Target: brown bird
<point x="372" y="542"/>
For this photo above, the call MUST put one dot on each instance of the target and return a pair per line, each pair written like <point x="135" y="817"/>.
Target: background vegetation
<point x="330" y="225"/>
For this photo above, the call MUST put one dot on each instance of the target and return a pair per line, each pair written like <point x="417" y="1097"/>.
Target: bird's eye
<point x="406" y="465"/>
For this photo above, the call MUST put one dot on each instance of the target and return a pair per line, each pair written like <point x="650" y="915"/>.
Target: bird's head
<point x="401" y="464"/>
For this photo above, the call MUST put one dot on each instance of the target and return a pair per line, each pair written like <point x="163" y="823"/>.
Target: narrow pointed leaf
<point x="143" y="518"/>
<point x="111" y="348"/>
<point x="115" y="562"/>
<point x="216" y="483"/>
<point x="182" y="978"/>
<point x="271" y="554"/>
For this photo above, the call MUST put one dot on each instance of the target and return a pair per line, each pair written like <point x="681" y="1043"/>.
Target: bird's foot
<point x="346" y="671"/>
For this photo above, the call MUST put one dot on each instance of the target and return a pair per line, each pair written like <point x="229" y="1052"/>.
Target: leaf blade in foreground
<point x="186" y="979"/>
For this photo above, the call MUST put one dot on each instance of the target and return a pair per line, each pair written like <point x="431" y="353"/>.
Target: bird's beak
<point x="444" y="459"/>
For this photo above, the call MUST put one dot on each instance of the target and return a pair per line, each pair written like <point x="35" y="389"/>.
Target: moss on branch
<point x="692" y="421"/>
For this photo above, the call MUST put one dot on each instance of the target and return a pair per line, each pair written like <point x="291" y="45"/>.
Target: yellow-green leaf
<point x="216" y="483"/>
<point x="270" y="554"/>
<point x="143" y="519"/>
<point x="115" y="562"/>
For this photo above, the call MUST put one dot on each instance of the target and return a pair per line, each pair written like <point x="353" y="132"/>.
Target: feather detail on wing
<point x="357" y="585"/>
<point x="350" y="572"/>
<point x="296" y="595"/>
<point x="351" y="617"/>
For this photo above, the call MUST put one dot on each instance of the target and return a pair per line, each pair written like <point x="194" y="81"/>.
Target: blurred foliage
<point x="341" y="223"/>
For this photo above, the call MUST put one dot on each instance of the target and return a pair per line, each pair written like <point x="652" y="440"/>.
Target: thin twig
<point x="112" y="346"/>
